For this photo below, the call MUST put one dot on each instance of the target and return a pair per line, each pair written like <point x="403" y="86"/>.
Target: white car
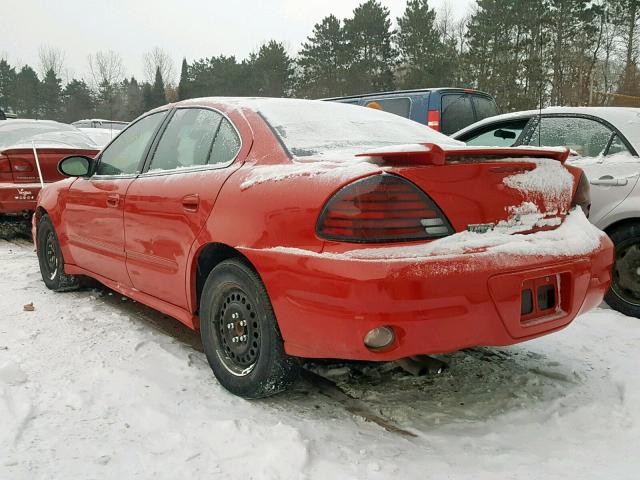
<point x="606" y="143"/>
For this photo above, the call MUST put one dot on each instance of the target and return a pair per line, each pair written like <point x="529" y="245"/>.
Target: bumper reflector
<point x="379" y="338"/>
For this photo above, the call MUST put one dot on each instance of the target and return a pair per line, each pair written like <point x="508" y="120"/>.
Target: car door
<point x="94" y="211"/>
<point x="168" y="205"/>
<point x="596" y="142"/>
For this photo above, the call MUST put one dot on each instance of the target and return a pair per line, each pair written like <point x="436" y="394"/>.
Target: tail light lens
<point x="21" y="166"/>
<point x="382" y="208"/>
<point x="582" y="196"/>
<point x="433" y="120"/>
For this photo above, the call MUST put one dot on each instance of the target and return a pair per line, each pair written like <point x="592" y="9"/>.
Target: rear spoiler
<point x="432" y="154"/>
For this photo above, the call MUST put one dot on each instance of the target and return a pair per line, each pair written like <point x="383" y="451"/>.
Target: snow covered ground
<point x="93" y="385"/>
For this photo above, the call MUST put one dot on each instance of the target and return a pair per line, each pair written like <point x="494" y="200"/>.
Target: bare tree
<point x="159" y="59"/>
<point x="106" y="67"/>
<point x="50" y="58"/>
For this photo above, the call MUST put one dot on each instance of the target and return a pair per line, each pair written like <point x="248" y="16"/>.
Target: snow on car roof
<point x="45" y="133"/>
<point x="313" y="128"/>
<point x="627" y="120"/>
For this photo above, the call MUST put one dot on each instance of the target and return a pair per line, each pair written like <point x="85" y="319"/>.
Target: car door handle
<point x="113" y="200"/>
<point x="191" y="203"/>
<point x="610" y="181"/>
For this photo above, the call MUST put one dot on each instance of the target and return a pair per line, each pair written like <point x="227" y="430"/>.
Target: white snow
<point x="349" y="168"/>
<point x="94" y="386"/>
<point x="550" y="179"/>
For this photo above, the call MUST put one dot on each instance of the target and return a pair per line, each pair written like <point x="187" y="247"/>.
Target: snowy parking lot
<point x="93" y="385"/>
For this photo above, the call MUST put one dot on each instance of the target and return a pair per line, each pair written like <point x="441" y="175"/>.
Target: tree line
<point x="560" y="52"/>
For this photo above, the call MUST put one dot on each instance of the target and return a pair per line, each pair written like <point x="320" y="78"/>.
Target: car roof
<point x="405" y="92"/>
<point x="625" y="119"/>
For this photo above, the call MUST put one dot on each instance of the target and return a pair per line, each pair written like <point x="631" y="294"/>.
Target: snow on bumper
<point x="443" y="296"/>
<point x="17" y="198"/>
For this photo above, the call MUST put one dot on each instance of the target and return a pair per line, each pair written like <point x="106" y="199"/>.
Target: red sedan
<point x="290" y="228"/>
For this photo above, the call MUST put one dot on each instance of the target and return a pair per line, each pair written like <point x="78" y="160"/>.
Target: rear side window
<point x="188" y="139"/>
<point x="226" y="145"/>
<point x="501" y="135"/>
<point x="457" y="113"/>
<point x="123" y="155"/>
<point x="485" y="107"/>
<point x="398" y="106"/>
<point x="587" y="137"/>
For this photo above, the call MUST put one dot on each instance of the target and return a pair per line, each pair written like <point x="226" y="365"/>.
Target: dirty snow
<point x="93" y="385"/>
<point x="575" y="236"/>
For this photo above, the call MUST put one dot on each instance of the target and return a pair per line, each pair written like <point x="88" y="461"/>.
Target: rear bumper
<point x="325" y="304"/>
<point x="18" y="198"/>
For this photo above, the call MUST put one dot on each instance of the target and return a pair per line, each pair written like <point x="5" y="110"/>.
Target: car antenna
<point x="540" y="90"/>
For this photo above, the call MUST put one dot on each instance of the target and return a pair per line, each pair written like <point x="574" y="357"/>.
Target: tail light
<point x="433" y="120"/>
<point x="382" y="208"/>
<point x="582" y="196"/>
<point x="5" y="169"/>
<point x="21" y="166"/>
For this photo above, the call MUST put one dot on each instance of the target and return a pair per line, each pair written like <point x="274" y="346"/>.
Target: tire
<point x="51" y="260"/>
<point x="624" y="294"/>
<point x="240" y="334"/>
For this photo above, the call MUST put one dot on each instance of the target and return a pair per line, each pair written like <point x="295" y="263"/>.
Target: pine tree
<point x="321" y="61"/>
<point x="425" y="59"/>
<point x="78" y="102"/>
<point x="134" y="100"/>
<point x="183" y="86"/>
<point x="7" y="85"/>
<point x="27" y="93"/>
<point x="51" y="96"/>
<point x="368" y="47"/>
<point x="158" y="96"/>
<point x="271" y="70"/>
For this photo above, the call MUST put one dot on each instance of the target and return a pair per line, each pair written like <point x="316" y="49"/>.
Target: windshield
<point x="16" y="133"/>
<point x="312" y="128"/>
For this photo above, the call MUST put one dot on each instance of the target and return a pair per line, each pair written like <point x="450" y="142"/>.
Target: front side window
<point x="123" y="156"/>
<point x="188" y="139"/>
<point x="457" y="113"/>
<point x="501" y="135"/>
<point x="587" y="137"/>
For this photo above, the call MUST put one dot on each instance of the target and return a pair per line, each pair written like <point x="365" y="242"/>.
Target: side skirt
<point x="182" y="315"/>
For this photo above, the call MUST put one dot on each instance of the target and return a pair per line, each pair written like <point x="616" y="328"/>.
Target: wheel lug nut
<point x="235" y="339"/>
<point x="243" y="323"/>
<point x="243" y="338"/>
<point x="230" y="326"/>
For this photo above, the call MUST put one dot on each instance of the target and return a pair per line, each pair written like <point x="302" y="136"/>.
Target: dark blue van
<point x="446" y="110"/>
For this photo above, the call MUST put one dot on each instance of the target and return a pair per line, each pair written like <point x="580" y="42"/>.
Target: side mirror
<point x="504" y="134"/>
<point x="75" y="166"/>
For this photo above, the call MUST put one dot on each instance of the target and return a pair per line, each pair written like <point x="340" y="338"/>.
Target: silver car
<point x="605" y="142"/>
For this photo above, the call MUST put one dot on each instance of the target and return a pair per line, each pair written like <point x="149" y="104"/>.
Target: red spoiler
<point x="432" y="154"/>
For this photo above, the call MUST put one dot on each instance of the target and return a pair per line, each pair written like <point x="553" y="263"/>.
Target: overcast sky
<point x="187" y="28"/>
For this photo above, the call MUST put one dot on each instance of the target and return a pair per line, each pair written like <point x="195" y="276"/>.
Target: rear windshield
<point x="309" y="128"/>
<point x="16" y="133"/>
<point x="457" y="113"/>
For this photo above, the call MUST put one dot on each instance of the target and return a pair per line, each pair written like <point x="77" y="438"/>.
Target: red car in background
<point x="293" y="228"/>
<point x="19" y="178"/>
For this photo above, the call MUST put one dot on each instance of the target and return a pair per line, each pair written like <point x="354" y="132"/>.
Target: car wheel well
<point x="210" y="256"/>
<point x="621" y="223"/>
<point x="40" y="212"/>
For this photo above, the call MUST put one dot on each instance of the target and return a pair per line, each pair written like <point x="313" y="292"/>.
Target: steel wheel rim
<point x="51" y="255"/>
<point x="237" y="332"/>
<point x="626" y="271"/>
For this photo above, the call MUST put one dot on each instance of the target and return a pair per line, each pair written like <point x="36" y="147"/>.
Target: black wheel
<point x="50" y="258"/>
<point x="624" y="294"/>
<point x="240" y="334"/>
